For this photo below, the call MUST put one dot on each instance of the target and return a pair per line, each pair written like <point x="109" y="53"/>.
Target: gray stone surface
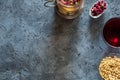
<point x="37" y="44"/>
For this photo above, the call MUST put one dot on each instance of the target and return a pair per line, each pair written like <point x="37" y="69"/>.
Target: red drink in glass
<point x="111" y="32"/>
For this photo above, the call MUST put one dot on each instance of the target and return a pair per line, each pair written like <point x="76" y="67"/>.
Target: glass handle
<point x="49" y="5"/>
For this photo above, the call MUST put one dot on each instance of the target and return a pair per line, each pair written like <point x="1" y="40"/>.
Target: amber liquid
<point x="68" y="9"/>
<point x="111" y="32"/>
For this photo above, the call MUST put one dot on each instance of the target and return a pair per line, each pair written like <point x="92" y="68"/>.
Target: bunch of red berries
<point x="98" y="8"/>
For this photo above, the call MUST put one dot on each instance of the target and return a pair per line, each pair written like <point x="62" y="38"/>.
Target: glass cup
<point x="111" y="32"/>
<point x="111" y="35"/>
<point x="66" y="11"/>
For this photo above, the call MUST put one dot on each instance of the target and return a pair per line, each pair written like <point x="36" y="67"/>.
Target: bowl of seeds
<point x="109" y="68"/>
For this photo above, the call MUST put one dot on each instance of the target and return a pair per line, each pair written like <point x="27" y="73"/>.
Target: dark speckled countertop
<point x="37" y="44"/>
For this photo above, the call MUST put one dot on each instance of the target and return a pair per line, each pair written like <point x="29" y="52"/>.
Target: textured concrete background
<point x="37" y="44"/>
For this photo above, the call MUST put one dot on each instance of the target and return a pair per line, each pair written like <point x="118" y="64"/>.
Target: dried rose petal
<point x="105" y="4"/>
<point x="98" y="3"/>
<point x="65" y="2"/>
<point x="99" y="7"/>
<point x="69" y="2"/>
<point x="75" y="1"/>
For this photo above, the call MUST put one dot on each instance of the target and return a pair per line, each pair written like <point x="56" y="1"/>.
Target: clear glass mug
<point x="66" y="11"/>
